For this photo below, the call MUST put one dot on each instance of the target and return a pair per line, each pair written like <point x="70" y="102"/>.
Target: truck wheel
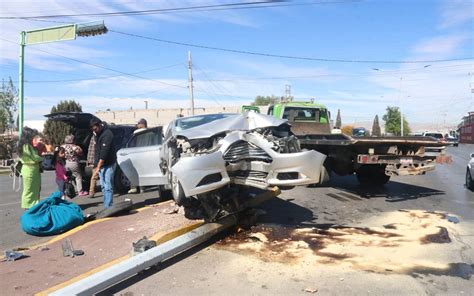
<point x="469" y="181"/>
<point x="372" y="175"/>
<point x="121" y="182"/>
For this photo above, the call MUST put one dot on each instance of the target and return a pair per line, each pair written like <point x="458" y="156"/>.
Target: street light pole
<point x="46" y="35"/>
<point x="21" y="79"/>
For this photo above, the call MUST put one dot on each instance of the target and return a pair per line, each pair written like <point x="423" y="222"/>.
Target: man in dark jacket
<point x="104" y="159"/>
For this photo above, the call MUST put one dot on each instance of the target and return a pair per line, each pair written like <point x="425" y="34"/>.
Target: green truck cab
<point x="305" y="117"/>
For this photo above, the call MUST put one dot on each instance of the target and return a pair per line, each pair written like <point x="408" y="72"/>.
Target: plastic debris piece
<point x="453" y="219"/>
<point x="311" y="290"/>
<point x="12" y="255"/>
<point x="143" y="245"/>
<point x="68" y="249"/>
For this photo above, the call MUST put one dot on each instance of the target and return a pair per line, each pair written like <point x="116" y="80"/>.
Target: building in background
<point x="466" y="129"/>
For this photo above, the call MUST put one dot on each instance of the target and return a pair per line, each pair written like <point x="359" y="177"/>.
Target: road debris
<point x="12" y="255"/>
<point x="142" y="245"/>
<point x="68" y="249"/>
<point x="311" y="290"/>
<point x="174" y="209"/>
<point x="452" y="219"/>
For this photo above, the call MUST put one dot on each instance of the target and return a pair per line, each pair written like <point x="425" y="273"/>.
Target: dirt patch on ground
<point x="404" y="242"/>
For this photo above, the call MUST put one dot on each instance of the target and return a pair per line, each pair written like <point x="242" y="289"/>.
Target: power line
<point x="289" y="56"/>
<point x="101" y="67"/>
<point x="149" y="11"/>
<point x="101" y="77"/>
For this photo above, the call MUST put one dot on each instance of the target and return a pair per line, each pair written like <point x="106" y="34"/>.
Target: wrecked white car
<point x="207" y="155"/>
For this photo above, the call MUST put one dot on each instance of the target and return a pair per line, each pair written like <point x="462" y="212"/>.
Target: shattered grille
<point x="242" y="150"/>
<point x="249" y="174"/>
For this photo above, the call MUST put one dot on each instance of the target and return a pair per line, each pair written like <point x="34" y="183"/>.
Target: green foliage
<point x="266" y="100"/>
<point x="347" y="130"/>
<point x="392" y="122"/>
<point x="56" y="131"/>
<point x="376" y="131"/>
<point x="8" y="104"/>
<point x="338" y="119"/>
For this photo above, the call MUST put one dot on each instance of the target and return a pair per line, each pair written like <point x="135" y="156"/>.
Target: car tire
<point x="469" y="181"/>
<point x="121" y="182"/>
<point x="177" y="190"/>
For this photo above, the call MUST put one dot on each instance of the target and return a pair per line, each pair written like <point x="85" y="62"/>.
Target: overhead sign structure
<point x="46" y="35"/>
<point x="63" y="33"/>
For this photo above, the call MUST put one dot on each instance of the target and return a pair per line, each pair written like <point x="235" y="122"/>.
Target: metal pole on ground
<point x="130" y="267"/>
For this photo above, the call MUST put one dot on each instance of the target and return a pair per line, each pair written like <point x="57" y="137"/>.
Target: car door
<point x="140" y="159"/>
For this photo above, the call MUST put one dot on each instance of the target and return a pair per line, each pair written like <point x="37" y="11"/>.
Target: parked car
<point x="453" y="141"/>
<point x="202" y="156"/>
<point x="360" y="132"/>
<point x="439" y="137"/>
<point x="82" y="136"/>
<point x="470" y="173"/>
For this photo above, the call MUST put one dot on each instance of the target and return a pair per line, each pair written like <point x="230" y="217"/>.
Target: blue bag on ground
<point x="51" y="216"/>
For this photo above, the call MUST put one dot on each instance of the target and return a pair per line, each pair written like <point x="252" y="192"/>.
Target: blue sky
<point x="358" y="30"/>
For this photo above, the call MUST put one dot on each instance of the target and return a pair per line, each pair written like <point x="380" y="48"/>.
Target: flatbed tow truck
<point x="373" y="159"/>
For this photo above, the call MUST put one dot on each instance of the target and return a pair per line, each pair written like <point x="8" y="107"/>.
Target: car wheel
<point x="121" y="182"/>
<point x="177" y="190"/>
<point x="469" y="181"/>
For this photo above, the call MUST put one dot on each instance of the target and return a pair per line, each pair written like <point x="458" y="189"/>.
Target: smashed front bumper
<point x="247" y="159"/>
<point x="201" y="173"/>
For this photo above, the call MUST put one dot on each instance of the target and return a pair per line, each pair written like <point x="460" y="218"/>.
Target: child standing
<point x="59" y="161"/>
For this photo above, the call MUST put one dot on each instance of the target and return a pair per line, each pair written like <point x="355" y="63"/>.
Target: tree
<point x="392" y="122"/>
<point x="376" y="132"/>
<point x="8" y="103"/>
<point x="347" y="130"/>
<point x="338" y="119"/>
<point x="56" y="131"/>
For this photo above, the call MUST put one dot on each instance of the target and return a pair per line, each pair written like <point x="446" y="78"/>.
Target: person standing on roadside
<point x="29" y="145"/>
<point x="104" y="159"/>
<point x="90" y="164"/>
<point x="73" y="156"/>
<point x="141" y="125"/>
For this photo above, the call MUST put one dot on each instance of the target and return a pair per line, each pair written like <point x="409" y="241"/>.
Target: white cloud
<point x="441" y="46"/>
<point x="456" y="12"/>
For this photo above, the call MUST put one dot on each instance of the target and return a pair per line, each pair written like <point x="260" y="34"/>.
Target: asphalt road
<point x="339" y="240"/>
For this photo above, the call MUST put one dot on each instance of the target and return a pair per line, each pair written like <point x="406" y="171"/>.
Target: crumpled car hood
<point x="245" y="121"/>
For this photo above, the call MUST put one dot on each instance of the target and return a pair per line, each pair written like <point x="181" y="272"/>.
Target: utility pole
<point x="401" y="114"/>
<point x="287" y="92"/>
<point x="146" y="105"/>
<point x="190" y="80"/>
